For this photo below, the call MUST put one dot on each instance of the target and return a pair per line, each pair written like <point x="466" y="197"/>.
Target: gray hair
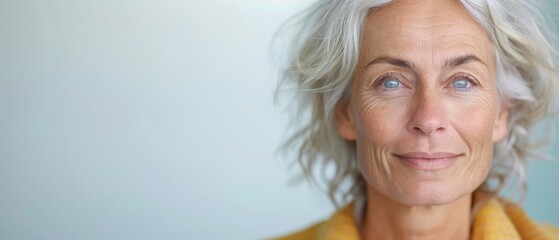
<point x="323" y="54"/>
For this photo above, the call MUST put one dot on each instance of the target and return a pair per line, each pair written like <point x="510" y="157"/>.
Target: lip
<point x="428" y="161"/>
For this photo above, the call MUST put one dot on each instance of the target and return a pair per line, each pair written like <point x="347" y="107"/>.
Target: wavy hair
<point x="323" y="53"/>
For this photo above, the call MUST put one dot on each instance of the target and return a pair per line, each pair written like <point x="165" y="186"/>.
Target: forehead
<point x="412" y="28"/>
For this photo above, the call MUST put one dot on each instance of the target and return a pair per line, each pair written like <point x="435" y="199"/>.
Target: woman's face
<point x="424" y="110"/>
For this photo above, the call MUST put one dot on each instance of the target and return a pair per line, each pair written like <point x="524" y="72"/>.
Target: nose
<point x="427" y="114"/>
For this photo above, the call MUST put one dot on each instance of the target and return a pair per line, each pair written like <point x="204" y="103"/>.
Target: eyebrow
<point x="450" y="63"/>
<point x="391" y="61"/>
<point x="455" y="62"/>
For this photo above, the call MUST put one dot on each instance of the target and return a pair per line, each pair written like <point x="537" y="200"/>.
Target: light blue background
<point x="154" y="120"/>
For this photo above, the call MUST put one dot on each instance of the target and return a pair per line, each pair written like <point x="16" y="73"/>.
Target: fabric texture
<point x="497" y="219"/>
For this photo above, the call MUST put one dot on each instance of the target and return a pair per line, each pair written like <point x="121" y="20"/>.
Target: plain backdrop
<point x="153" y="119"/>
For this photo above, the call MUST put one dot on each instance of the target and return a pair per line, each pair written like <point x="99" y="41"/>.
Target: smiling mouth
<point x="428" y="161"/>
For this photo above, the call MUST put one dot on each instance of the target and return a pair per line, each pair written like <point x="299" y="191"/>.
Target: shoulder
<point x="525" y="225"/>
<point x="307" y="233"/>
<point x="341" y="225"/>
<point x="507" y="220"/>
<point x="550" y="230"/>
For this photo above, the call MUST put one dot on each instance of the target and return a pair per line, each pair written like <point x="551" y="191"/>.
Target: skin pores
<point x="424" y="110"/>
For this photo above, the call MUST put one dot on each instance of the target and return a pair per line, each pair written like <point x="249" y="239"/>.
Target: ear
<point x="501" y="123"/>
<point x="344" y="121"/>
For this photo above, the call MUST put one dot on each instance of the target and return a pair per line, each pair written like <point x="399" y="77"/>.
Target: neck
<point x="386" y="219"/>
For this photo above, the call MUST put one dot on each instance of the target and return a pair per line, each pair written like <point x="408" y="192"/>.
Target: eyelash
<point x="380" y="81"/>
<point x="471" y="80"/>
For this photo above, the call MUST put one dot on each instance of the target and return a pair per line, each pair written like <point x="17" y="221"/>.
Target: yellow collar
<point x="497" y="219"/>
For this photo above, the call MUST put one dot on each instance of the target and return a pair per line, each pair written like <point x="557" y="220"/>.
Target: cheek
<point x="474" y="117"/>
<point x="378" y="124"/>
<point x="474" y="124"/>
<point x="378" y="120"/>
<point x="474" y="121"/>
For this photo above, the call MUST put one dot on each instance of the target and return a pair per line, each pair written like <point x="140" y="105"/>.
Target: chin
<point x="430" y="194"/>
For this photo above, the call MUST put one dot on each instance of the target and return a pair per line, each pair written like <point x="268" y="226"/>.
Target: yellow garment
<point x="497" y="219"/>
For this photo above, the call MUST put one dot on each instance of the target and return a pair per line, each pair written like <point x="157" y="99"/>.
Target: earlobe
<point x="344" y="121"/>
<point x="500" y="128"/>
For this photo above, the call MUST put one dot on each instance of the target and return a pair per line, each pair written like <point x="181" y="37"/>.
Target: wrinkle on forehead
<point x="422" y="33"/>
<point x="433" y="18"/>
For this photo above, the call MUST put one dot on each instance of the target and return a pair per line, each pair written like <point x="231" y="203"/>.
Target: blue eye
<point x="391" y="83"/>
<point x="461" y="83"/>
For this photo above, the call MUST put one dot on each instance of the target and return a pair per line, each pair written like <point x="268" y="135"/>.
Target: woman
<point x="424" y="109"/>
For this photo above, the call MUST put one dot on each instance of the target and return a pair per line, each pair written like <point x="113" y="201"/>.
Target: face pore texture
<point x="424" y="110"/>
